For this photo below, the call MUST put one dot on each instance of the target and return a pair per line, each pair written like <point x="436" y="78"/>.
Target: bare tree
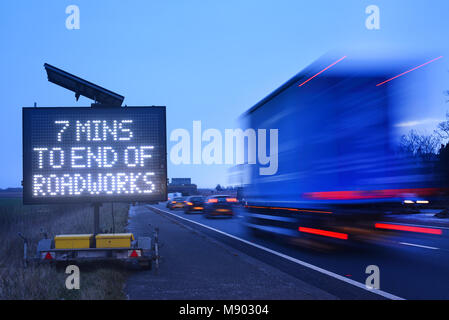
<point x="421" y="145"/>
<point x="443" y="128"/>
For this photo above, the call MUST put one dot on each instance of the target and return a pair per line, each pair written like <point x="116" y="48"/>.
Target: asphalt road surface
<point x="411" y="266"/>
<point x="196" y="267"/>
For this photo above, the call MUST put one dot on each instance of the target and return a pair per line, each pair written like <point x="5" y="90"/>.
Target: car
<point x="220" y="206"/>
<point x="176" y="203"/>
<point x="194" y="204"/>
<point x="171" y="196"/>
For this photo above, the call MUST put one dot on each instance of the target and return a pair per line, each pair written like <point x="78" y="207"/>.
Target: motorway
<point x="412" y="266"/>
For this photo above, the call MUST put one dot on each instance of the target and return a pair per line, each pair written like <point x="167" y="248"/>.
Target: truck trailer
<point x="346" y="155"/>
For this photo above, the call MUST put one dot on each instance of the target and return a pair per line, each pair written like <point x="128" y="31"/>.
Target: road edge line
<point x="297" y="261"/>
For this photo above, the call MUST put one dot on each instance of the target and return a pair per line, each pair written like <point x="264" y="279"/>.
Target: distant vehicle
<point x="220" y="205"/>
<point x="414" y="206"/>
<point x="171" y="196"/>
<point x="194" y="204"/>
<point x="176" y="203"/>
<point x="341" y="162"/>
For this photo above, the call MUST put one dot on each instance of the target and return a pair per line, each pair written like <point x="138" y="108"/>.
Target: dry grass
<point x="43" y="281"/>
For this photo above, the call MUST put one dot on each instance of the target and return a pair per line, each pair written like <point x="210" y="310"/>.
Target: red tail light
<point x="289" y="209"/>
<point x="231" y="199"/>
<point x="213" y="200"/>
<point x="325" y="233"/>
<point x="173" y="202"/>
<point x="190" y="203"/>
<point x="407" y="228"/>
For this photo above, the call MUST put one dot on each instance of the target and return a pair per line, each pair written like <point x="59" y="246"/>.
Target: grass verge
<point x="47" y="282"/>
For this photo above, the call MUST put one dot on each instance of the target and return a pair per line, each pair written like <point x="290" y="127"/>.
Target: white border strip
<point x="302" y="263"/>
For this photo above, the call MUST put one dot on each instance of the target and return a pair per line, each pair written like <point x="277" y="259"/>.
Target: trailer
<point x="80" y="248"/>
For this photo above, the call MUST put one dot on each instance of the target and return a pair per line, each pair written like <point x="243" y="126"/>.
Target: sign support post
<point x="96" y="206"/>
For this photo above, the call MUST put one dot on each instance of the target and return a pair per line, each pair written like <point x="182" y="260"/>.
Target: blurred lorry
<point x="344" y="153"/>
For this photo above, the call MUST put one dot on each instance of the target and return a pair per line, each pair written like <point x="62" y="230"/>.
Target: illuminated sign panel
<point x="94" y="154"/>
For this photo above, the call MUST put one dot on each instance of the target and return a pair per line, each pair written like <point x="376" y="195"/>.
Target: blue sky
<point x="204" y="60"/>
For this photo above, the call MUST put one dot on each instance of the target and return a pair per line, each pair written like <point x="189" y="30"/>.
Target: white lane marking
<point x="418" y="245"/>
<point x="302" y="263"/>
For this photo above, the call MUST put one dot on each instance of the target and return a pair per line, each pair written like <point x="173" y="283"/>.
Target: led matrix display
<point x="94" y="154"/>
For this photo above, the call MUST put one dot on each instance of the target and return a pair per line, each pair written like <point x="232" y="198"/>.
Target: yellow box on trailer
<point x="114" y="240"/>
<point x="73" y="241"/>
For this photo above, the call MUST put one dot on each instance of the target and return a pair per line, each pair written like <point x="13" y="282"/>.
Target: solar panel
<point x="83" y="87"/>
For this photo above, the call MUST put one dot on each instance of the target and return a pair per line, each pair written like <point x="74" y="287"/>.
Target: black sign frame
<point x="28" y="198"/>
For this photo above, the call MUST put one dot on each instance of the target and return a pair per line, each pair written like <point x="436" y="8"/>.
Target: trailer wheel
<point x="60" y="265"/>
<point x="145" y="265"/>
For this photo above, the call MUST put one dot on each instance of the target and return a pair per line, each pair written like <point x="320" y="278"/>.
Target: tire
<point x="145" y="265"/>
